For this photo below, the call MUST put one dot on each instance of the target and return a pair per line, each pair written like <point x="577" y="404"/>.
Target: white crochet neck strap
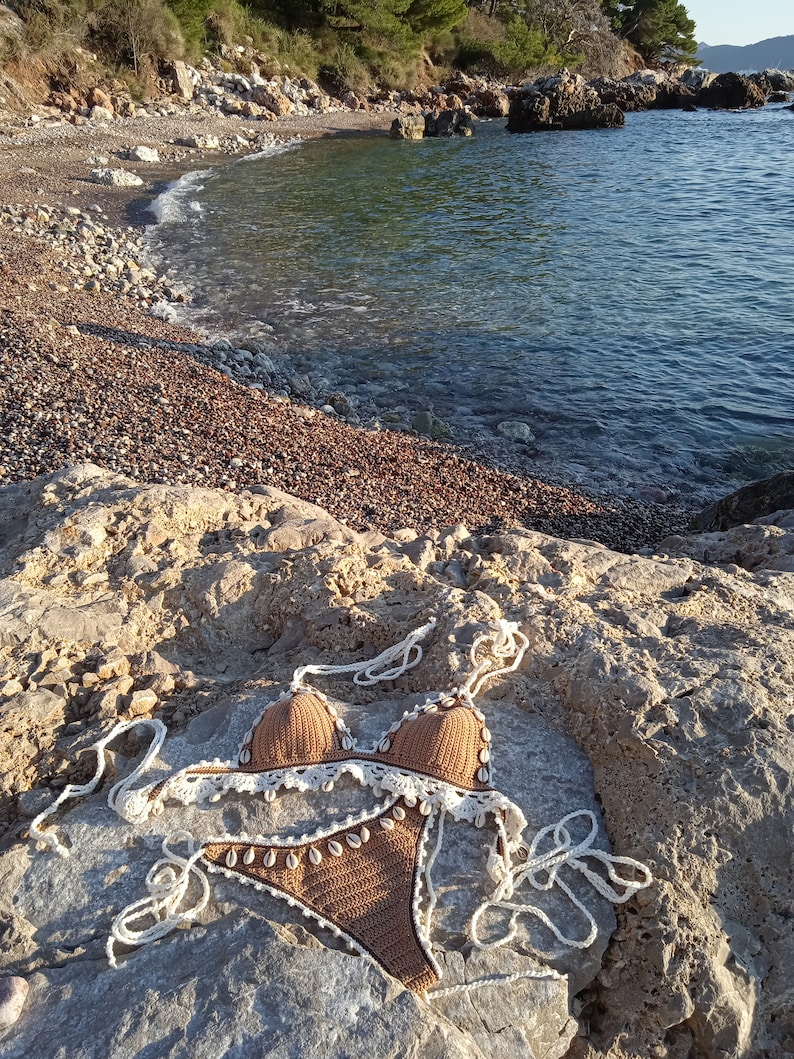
<point x="400" y="657"/>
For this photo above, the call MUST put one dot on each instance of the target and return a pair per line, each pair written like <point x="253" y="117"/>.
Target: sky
<point x="740" y="22"/>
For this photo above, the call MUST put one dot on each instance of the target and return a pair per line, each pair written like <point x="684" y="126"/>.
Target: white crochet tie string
<point x="167" y="882"/>
<point x="542" y="870"/>
<point x="79" y="790"/>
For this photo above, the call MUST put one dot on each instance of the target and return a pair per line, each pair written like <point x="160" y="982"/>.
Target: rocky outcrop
<point x="564" y="101"/>
<point x="731" y="92"/>
<point x="658" y="686"/>
<point x="747" y="504"/>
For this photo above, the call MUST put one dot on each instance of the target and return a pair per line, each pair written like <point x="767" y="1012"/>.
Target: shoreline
<point x="125" y="370"/>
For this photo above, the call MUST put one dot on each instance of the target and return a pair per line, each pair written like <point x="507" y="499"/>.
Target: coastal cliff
<point x="658" y="688"/>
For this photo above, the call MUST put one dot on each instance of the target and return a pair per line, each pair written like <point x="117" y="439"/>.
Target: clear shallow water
<point x="628" y="294"/>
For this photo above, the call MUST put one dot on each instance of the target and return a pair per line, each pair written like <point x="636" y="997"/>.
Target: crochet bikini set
<point x="368" y="878"/>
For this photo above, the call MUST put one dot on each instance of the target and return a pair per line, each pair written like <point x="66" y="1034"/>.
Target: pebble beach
<point x="90" y="374"/>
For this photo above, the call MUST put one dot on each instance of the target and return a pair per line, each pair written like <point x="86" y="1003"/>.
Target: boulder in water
<point x="564" y="101"/>
<point x="408" y="127"/>
<point x="747" y="504"/>
<point x="443" y="123"/>
<point x="731" y="92"/>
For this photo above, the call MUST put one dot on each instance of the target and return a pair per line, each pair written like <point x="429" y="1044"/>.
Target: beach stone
<point x="430" y="426"/>
<point x="100" y="114"/>
<point x="144" y="154"/>
<point x="204" y="143"/>
<point x="120" y="178"/>
<point x="13" y="994"/>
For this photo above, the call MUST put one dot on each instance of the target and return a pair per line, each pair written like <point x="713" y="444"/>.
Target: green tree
<point x="434" y="16"/>
<point x="661" y="30"/>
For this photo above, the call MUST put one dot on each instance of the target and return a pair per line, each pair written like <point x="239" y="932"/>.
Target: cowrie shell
<point x="328" y="785"/>
<point x="216" y="797"/>
<point x="425" y="808"/>
<point x="245" y="756"/>
<point x="480" y="819"/>
<point x="292" y="861"/>
<point x="410" y="800"/>
<point x="347" y="743"/>
<point x="270" y="796"/>
<point x="231" y="859"/>
<point x="248" y="856"/>
<point x="398" y="812"/>
<point x="364" y="833"/>
<point x="386" y="823"/>
<point x="384" y="746"/>
<point x="335" y="849"/>
<point x="484" y="756"/>
<point x="353" y="841"/>
<point x="270" y="858"/>
<point x="482" y="775"/>
<point x="315" y="856"/>
<point x="485" y="734"/>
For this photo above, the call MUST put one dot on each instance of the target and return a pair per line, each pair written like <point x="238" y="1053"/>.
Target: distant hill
<point x="777" y="53"/>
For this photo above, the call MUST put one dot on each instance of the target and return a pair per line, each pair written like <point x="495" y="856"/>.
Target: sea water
<point x="627" y="294"/>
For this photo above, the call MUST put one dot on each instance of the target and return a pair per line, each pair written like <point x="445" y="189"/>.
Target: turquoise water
<point x="627" y="294"/>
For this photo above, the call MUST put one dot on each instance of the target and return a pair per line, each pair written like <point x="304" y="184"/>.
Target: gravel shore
<point x="89" y="374"/>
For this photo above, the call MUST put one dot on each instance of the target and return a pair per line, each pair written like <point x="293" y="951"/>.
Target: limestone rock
<point x="119" y="178"/>
<point x="144" y="154"/>
<point x="658" y="688"/>
<point x="181" y="80"/>
<point x="450" y="122"/>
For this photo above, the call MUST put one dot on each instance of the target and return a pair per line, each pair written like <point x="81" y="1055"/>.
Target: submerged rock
<point x="430" y="426"/>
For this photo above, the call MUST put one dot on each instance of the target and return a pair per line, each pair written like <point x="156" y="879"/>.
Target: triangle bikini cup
<point x="363" y="878"/>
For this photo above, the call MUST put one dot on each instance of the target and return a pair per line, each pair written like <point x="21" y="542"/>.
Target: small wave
<point x="176" y="204"/>
<point x="272" y="149"/>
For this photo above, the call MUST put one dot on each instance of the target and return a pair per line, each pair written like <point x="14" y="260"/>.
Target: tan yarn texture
<point x="368" y="891"/>
<point x="446" y="745"/>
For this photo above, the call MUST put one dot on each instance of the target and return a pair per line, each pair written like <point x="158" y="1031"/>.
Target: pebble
<point x="13" y="993"/>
